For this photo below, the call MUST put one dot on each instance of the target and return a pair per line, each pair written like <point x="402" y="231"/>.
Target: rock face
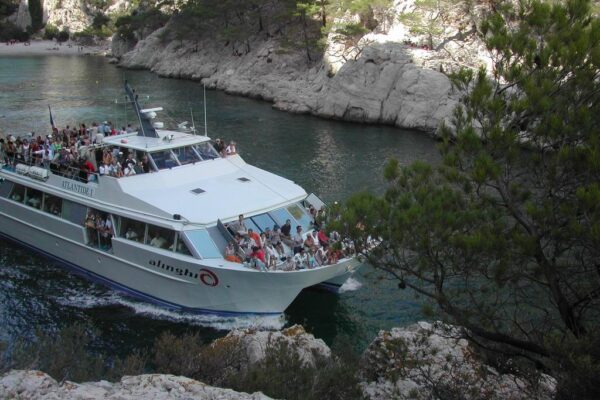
<point x="70" y="14"/>
<point x="429" y="361"/>
<point x="382" y="86"/>
<point x="254" y="344"/>
<point x="34" y="385"/>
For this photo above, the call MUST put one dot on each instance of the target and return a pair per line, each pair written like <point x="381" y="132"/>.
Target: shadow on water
<point x="333" y="159"/>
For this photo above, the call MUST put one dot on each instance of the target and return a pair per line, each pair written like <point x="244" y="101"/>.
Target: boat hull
<point x="161" y="277"/>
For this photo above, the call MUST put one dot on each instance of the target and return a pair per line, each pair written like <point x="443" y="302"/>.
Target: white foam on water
<point x="216" y="321"/>
<point x="350" y="285"/>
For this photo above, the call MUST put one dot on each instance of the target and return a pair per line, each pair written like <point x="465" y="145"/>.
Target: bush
<point x="9" y="31"/>
<point x="63" y="36"/>
<point x="50" y="32"/>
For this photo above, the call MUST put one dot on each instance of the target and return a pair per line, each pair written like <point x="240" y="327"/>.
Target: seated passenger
<point x="301" y="259"/>
<point x="323" y="238"/>
<point x="309" y="242"/>
<point x="158" y="241"/>
<point x="230" y="253"/>
<point x="298" y="240"/>
<point x="273" y="256"/>
<point x="258" y="258"/>
<point x="131" y="234"/>
<point x="254" y="238"/>
<point x="240" y="226"/>
<point x="321" y="256"/>
<point x="231" y="149"/>
<point x="34" y="202"/>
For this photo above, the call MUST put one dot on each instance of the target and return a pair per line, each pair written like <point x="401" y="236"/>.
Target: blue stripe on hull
<point x="125" y="289"/>
<point x="330" y="287"/>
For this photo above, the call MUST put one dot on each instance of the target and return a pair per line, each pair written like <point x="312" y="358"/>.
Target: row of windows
<point x="100" y="227"/>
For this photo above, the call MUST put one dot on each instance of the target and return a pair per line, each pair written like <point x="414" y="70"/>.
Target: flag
<point x="51" y="120"/>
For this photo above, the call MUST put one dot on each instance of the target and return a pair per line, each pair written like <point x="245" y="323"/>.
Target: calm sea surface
<point x="332" y="159"/>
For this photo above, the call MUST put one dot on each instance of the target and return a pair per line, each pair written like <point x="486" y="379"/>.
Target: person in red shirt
<point x="323" y="238"/>
<point x="254" y="236"/>
<point x="258" y="256"/>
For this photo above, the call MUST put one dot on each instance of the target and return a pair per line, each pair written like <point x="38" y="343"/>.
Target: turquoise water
<point x="333" y="159"/>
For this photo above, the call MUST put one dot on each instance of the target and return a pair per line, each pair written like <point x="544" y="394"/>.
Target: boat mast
<point x="205" y="125"/>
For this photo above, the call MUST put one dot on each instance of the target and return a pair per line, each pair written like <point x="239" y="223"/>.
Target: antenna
<point x="205" y="126"/>
<point x="193" y="123"/>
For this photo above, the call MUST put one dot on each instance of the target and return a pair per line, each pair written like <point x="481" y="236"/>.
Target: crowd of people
<point x="281" y="249"/>
<point x="69" y="151"/>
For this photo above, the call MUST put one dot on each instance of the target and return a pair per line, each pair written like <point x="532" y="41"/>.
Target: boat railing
<point x="66" y="171"/>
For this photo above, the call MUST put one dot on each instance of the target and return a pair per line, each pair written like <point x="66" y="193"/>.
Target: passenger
<point x="310" y="243"/>
<point x="312" y="262"/>
<point x="286" y="230"/>
<point x="129" y="169"/>
<point x="34" y="201"/>
<point x="321" y="256"/>
<point x="131" y="234"/>
<point x="104" y="169"/>
<point x="106" y="233"/>
<point x="276" y="240"/>
<point x="298" y="240"/>
<point x="158" y="241"/>
<point x="254" y="238"/>
<point x="258" y="258"/>
<point x="146" y="164"/>
<point x="273" y="256"/>
<point x="230" y="253"/>
<point x="231" y="150"/>
<point x="322" y="236"/>
<point x="241" y="225"/>
<point x="220" y="147"/>
<point x="301" y="259"/>
<point x="139" y="168"/>
<point x="115" y="169"/>
<point x="90" y="228"/>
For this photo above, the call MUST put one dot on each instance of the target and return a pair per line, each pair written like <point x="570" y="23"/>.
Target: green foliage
<point x="36" y="12"/>
<point x="63" y="36"/>
<point x="127" y="25"/>
<point x="7" y="8"/>
<point x="503" y="236"/>
<point x="9" y="31"/>
<point x="50" y="32"/>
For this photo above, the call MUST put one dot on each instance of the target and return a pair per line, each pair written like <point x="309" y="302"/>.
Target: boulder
<point x="254" y="344"/>
<point x="434" y="360"/>
<point x="34" y="385"/>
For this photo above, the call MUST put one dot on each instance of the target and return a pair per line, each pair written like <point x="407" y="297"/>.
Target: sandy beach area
<point x="48" y="47"/>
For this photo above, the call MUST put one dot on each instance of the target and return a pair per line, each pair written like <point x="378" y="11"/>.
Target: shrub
<point x="50" y="32"/>
<point x="63" y="36"/>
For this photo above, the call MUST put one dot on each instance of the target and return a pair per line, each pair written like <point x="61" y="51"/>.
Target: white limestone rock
<point x="36" y="385"/>
<point x="67" y="14"/>
<point x="254" y="344"/>
<point x="423" y="359"/>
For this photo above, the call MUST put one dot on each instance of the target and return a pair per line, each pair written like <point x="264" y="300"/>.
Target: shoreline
<point x="49" y="47"/>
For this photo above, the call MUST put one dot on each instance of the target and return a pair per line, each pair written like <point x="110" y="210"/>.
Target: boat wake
<point x="350" y="285"/>
<point x="223" y="322"/>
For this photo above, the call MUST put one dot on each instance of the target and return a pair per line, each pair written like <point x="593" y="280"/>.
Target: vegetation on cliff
<point x="503" y="237"/>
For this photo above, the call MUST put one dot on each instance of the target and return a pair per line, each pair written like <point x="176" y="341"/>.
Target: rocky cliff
<point x="386" y="77"/>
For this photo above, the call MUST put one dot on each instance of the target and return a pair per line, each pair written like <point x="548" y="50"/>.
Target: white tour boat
<point x="161" y="235"/>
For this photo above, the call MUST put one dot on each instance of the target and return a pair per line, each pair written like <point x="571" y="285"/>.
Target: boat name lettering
<point x="74" y="187"/>
<point x="205" y="276"/>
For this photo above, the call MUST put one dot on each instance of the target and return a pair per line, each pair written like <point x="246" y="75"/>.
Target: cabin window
<point x="206" y="151"/>
<point x="180" y="246"/>
<point x="281" y="215"/>
<point x="52" y="204"/>
<point x="164" y="159"/>
<point x="17" y="193"/>
<point x="186" y="155"/>
<point x="301" y="216"/>
<point x="203" y="244"/>
<point x="99" y="229"/>
<point x="263" y="221"/>
<point x="33" y="198"/>
<point x="131" y="229"/>
<point x="5" y="188"/>
<point x="162" y="238"/>
<point x="73" y="212"/>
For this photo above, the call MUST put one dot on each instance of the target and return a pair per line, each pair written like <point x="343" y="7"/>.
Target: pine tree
<point x="503" y="237"/>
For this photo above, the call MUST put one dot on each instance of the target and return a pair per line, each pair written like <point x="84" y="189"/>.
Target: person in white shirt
<point x="231" y="149"/>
